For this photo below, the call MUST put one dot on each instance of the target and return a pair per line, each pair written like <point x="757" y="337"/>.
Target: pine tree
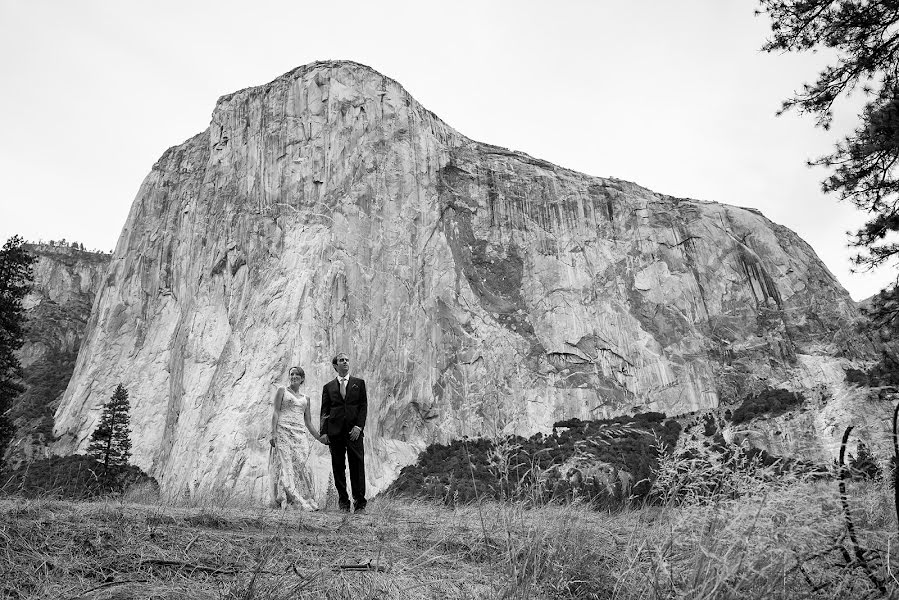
<point x="15" y="282"/>
<point x="865" y="36"/>
<point x="111" y="441"/>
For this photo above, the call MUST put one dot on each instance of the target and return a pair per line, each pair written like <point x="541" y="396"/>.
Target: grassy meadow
<point x="761" y="539"/>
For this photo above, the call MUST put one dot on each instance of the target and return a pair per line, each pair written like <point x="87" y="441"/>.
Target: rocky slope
<point x="477" y="289"/>
<point x="65" y="282"/>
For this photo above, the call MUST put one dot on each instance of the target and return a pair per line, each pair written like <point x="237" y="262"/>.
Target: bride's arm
<point x="308" y="418"/>
<point x="276" y="414"/>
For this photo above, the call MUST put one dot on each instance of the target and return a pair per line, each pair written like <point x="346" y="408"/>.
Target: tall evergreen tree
<point x="863" y="167"/>
<point x="15" y="281"/>
<point x="111" y="440"/>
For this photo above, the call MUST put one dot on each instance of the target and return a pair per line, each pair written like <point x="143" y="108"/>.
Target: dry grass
<point x="779" y="540"/>
<point x="784" y="542"/>
<point x="109" y="550"/>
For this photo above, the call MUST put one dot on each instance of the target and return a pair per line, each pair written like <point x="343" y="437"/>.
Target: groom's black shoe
<point x="359" y="510"/>
<point x="344" y="507"/>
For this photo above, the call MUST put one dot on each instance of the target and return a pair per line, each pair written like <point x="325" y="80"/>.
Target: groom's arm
<point x="325" y="410"/>
<point x="363" y="408"/>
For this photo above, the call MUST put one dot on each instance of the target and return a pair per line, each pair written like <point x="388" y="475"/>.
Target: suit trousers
<point x="342" y="446"/>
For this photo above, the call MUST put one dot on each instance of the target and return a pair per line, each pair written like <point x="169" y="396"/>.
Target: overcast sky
<point x="675" y="96"/>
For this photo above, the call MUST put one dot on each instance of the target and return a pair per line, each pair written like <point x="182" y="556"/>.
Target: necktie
<point x="343" y="387"/>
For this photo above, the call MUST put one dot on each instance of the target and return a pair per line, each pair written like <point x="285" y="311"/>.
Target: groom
<point x="344" y="408"/>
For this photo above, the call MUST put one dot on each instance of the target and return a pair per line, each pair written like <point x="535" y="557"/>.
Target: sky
<point x="675" y="96"/>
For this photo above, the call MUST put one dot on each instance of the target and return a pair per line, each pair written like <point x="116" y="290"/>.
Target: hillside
<point x="66" y="280"/>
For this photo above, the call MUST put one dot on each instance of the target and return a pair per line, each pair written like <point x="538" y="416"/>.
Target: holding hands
<point x="323" y="438"/>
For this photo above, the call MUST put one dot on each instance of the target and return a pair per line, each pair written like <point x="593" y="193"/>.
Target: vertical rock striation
<point x="478" y="290"/>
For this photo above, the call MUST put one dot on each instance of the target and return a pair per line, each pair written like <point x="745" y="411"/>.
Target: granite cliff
<point x="477" y="289"/>
<point x="66" y="279"/>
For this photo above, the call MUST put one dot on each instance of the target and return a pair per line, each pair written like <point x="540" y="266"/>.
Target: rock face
<point x="65" y="282"/>
<point x="814" y="429"/>
<point x="478" y="290"/>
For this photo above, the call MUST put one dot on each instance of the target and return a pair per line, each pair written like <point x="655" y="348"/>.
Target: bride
<point x="292" y="484"/>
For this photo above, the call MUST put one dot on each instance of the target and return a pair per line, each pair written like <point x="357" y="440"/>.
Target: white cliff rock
<point x="477" y="290"/>
<point x="65" y="280"/>
<point x="814" y="429"/>
<point x="64" y="283"/>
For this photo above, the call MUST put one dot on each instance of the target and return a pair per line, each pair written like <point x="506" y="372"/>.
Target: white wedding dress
<point x="292" y="483"/>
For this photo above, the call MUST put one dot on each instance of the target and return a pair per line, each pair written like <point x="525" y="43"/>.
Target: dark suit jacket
<point x="340" y="415"/>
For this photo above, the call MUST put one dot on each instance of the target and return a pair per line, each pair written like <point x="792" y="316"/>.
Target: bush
<point x="770" y="401"/>
<point x="863" y="464"/>
<point x="884" y="373"/>
<point x="703" y="471"/>
<point x="512" y="467"/>
<point x="75" y="477"/>
<point x="709" y="427"/>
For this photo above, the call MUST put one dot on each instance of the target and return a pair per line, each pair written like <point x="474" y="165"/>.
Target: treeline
<point x="529" y="468"/>
<point x="73" y="245"/>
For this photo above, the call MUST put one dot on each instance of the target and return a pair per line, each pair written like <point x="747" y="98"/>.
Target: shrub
<point x="770" y="401"/>
<point x="512" y="467"/>
<point x="75" y="477"/>
<point x="709" y="427"/>
<point x="884" y="373"/>
<point x="863" y="464"/>
<point x="701" y="472"/>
